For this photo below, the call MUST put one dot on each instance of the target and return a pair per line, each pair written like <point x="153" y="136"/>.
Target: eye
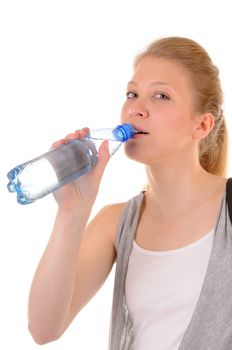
<point x="131" y="95"/>
<point x="161" y="96"/>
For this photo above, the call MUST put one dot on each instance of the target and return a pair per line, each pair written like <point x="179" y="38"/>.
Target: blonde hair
<point x="207" y="94"/>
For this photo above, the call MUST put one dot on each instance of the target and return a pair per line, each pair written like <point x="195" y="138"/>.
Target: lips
<point x="139" y="130"/>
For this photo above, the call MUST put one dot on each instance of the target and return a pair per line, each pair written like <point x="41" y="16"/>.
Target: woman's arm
<point x="73" y="267"/>
<point x="77" y="259"/>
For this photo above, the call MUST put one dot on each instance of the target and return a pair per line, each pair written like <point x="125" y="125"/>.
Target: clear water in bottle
<point x="47" y="173"/>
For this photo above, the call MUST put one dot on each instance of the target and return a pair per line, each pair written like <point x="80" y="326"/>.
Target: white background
<point x="65" y="65"/>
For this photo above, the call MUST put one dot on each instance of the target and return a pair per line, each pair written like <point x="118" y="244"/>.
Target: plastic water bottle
<point x="47" y="173"/>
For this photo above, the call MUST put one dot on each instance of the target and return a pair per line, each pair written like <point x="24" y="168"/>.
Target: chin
<point x="136" y="154"/>
<point x="145" y="155"/>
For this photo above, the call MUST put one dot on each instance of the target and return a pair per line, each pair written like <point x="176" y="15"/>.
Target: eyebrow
<point x="152" y="83"/>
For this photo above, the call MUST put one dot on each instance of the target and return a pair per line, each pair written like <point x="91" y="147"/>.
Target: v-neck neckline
<point x="201" y="299"/>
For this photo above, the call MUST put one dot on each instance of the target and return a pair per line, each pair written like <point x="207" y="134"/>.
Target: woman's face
<point x="159" y="101"/>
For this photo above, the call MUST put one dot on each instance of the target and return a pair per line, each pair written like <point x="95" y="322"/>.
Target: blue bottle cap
<point x="124" y="132"/>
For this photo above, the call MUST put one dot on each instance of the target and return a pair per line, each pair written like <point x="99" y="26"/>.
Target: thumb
<point x="103" y="159"/>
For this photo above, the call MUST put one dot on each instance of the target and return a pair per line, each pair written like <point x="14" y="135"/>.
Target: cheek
<point x="175" y="123"/>
<point x="172" y="131"/>
<point x="124" y="112"/>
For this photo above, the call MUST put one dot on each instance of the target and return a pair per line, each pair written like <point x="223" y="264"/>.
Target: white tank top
<point x="162" y="290"/>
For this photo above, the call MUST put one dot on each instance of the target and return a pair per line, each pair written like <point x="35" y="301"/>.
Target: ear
<point x="203" y="125"/>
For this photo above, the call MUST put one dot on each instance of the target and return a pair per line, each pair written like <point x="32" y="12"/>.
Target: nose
<point x="138" y="111"/>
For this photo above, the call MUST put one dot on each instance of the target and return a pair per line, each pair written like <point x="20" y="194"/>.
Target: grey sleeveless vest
<point x="210" y="327"/>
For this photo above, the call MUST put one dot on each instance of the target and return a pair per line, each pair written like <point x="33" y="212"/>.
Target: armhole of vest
<point x="122" y="217"/>
<point x="120" y="223"/>
<point x="229" y="197"/>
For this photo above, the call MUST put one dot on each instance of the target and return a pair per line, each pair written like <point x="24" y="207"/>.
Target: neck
<point x="174" y="189"/>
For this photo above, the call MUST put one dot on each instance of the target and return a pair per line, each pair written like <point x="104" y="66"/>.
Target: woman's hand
<point x="83" y="191"/>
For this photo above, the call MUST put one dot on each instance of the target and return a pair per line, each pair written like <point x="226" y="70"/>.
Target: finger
<point x="81" y="133"/>
<point x="85" y="129"/>
<point x="103" y="159"/>
<point x="70" y="136"/>
<point x="75" y="135"/>
<point x="57" y="143"/>
<point x="104" y="149"/>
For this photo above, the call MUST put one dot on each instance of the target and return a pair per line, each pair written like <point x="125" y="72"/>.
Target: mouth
<point x="139" y="131"/>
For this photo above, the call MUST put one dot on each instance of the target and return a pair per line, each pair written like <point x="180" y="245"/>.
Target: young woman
<point x="171" y="243"/>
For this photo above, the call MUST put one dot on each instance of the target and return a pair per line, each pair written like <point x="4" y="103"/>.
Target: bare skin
<point x="181" y="204"/>
<point x="183" y="201"/>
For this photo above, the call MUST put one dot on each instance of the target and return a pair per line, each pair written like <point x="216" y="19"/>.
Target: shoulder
<point x="106" y="221"/>
<point x="110" y="215"/>
<point x="112" y="212"/>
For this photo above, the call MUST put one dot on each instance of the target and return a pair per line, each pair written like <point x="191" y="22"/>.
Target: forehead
<point x="151" y="69"/>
